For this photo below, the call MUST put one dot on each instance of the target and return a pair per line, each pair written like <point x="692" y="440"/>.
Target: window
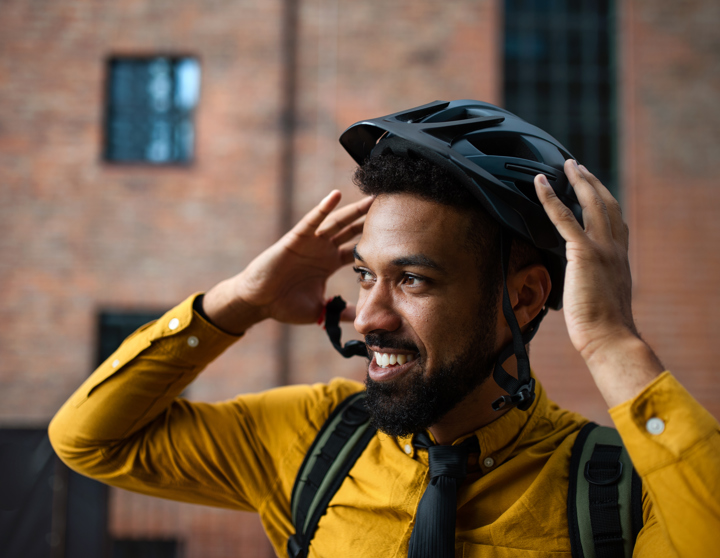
<point x="146" y="548"/>
<point x="150" y="110"/>
<point x="115" y="326"/>
<point x="560" y="75"/>
<point x="46" y="509"/>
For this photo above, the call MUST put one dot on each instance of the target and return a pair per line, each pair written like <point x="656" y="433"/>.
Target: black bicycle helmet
<point x="495" y="155"/>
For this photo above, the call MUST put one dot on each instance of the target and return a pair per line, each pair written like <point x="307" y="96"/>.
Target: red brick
<point x="78" y="235"/>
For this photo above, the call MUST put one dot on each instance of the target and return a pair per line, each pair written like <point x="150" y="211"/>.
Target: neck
<point x="473" y="412"/>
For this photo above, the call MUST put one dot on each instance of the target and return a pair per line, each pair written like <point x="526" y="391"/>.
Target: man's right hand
<point x="287" y="281"/>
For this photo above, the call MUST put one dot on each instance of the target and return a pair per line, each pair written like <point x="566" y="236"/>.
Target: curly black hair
<point x="393" y="174"/>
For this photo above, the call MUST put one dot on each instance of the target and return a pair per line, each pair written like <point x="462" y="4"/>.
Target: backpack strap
<point x="336" y="448"/>
<point x="604" y="495"/>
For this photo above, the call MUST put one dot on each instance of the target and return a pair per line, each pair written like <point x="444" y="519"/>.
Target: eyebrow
<point x="357" y="255"/>
<point x="418" y="260"/>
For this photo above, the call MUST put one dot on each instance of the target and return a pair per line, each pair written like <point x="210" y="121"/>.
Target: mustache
<point x="389" y="341"/>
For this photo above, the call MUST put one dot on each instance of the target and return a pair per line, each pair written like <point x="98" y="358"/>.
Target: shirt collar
<point x="499" y="438"/>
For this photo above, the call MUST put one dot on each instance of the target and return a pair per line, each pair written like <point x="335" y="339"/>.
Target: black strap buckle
<point x="603" y="481"/>
<point x="522" y="399"/>
<point x="332" y="327"/>
<point x="294" y="548"/>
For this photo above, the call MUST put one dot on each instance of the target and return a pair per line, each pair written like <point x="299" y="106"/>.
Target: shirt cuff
<point x="661" y="424"/>
<point x="186" y="335"/>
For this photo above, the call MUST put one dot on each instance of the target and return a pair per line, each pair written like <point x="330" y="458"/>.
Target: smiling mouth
<point x="386" y="360"/>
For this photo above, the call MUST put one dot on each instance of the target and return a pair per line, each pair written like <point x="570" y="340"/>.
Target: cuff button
<point x="655" y="426"/>
<point x="193" y="341"/>
<point x="173" y="324"/>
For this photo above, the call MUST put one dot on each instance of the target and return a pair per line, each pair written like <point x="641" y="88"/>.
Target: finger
<point x="560" y="215"/>
<point x="594" y="211"/>
<point x="614" y="211"/>
<point x="349" y="232"/>
<point x="348" y="315"/>
<point x="346" y="252"/>
<point x="314" y="218"/>
<point x="344" y="216"/>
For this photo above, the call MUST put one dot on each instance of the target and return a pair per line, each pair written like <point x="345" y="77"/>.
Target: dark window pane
<point x="45" y="508"/>
<point x="115" y="327"/>
<point x="560" y="75"/>
<point x="145" y="548"/>
<point x="602" y="7"/>
<point x="150" y="108"/>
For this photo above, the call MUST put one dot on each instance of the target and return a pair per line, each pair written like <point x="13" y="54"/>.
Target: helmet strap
<point x="522" y="389"/>
<point x="333" y="309"/>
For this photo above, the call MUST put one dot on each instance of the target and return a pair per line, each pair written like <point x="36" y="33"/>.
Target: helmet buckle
<point x="522" y="399"/>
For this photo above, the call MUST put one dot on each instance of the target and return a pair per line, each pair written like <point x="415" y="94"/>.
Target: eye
<point x="364" y="276"/>
<point x="414" y="280"/>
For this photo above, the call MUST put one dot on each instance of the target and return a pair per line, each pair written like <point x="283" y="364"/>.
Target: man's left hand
<point x="598" y="286"/>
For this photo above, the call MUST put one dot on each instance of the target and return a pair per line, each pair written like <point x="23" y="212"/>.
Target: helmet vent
<point x="503" y="146"/>
<point x="465" y="114"/>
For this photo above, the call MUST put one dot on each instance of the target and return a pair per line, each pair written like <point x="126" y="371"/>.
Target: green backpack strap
<point x="336" y="448"/>
<point x="604" y="496"/>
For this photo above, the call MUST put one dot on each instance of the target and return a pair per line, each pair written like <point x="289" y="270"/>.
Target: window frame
<point x="110" y="111"/>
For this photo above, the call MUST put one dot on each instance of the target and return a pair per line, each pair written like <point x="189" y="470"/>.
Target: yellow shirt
<point x="126" y="426"/>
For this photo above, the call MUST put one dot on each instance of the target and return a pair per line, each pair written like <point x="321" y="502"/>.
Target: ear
<point x="529" y="289"/>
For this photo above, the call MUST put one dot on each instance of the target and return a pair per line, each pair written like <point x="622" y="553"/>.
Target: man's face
<point x="425" y="311"/>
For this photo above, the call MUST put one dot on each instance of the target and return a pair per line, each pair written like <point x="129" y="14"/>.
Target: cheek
<point x="452" y="324"/>
<point x="433" y="322"/>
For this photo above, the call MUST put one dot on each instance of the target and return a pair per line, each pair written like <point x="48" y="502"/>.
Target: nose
<point x="375" y="310"/>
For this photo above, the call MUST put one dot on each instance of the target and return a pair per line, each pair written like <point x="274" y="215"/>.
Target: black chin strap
<point x="332" y="325"/>
<point x="522" y="389"/>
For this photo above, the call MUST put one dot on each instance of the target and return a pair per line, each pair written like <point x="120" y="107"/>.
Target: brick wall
<point x="78" y="235"/>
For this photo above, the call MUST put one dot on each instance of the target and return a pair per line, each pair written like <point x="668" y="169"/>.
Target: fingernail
<point x="582" y="168"/>
<point x="575" y="163"/>
<point x="544" y="181"/>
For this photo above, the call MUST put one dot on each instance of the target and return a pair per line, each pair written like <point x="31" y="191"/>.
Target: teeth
<point x="389" y="359"/>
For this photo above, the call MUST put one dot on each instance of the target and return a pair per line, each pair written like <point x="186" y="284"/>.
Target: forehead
<point x="403" y="224"/>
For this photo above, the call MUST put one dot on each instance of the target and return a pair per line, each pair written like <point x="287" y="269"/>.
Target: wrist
<point x="622" y="365"/>
<point x="604" y="345"/>
<point x="225" y="307"/>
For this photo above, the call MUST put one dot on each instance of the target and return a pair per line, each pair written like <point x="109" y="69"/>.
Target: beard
<point x="420" y="398"/>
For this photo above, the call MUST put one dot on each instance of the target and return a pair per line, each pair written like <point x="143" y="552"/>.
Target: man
<point x="455" y="266"/>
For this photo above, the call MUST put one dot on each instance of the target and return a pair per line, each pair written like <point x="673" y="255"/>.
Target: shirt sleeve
<point x="126" y="425"/>
<point x="674" y="444"/>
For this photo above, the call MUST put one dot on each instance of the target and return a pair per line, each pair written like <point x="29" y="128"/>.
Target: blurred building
<point x="149" y="149"/>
